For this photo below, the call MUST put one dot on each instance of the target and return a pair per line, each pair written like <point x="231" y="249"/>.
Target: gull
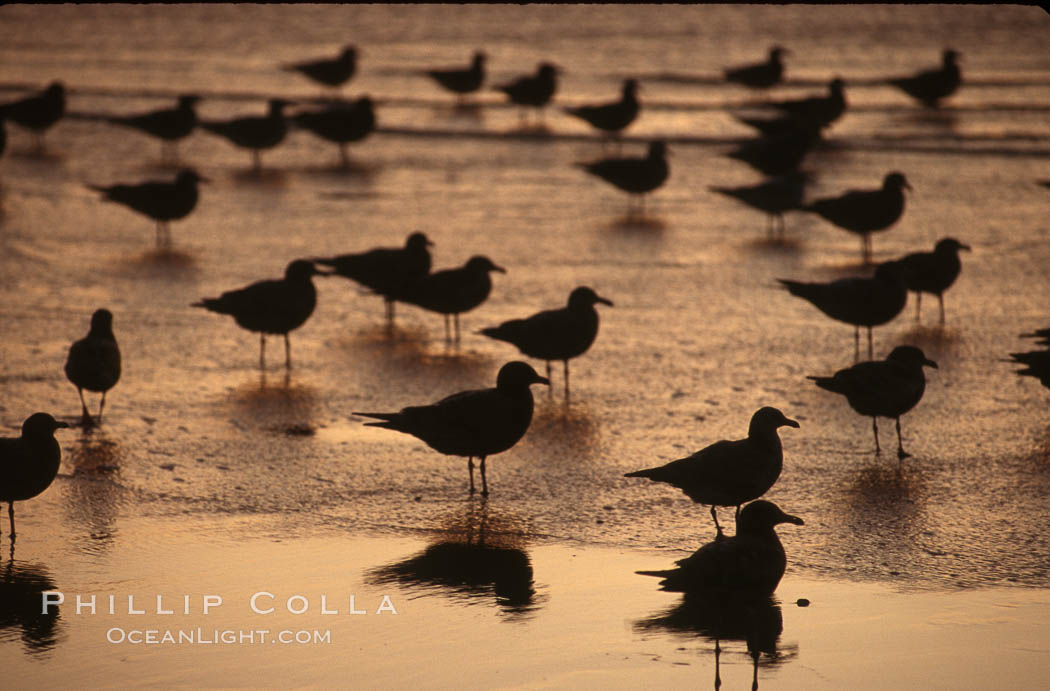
<point x="632" y="174"/>
<point x="462" y="81"/>
<point x="254" y="132"/>
<point x="94" y="361"/>
<point x="932" y="272"/>
<point x="729" y="473"/>
<point x="883" y="388"/>
<point x="29" y="463"/>
<point x="865" y="211"/>
<point x="611" y="118"/>
<point x="167" y="124"/>
<point x="331" y="72"/>
<point x="341" y="123"/>
<point x="558" y="334"/>
<point x="930" y="86"/>
<point x="271" y="307"/>
<point x="452" y="291"/>
<point x="37" y="113"/>
<point x="477" y="423"/>
<point x="160" y="200"/>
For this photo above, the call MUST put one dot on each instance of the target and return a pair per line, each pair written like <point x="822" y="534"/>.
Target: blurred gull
<point x="761" y="75"/>
<point x="480" y="422"/>
<point x="930" y="86"/>
<point x="29" y="463"/>
<point x="340" y="123"/>
<point x="774" y="196"/>
<point x="271" y="307"/>
<point x="37" y="113"/>
<point x="167" y="124"/>
<point x="820" y="111"/>
<point x="385" y="270"/>
<point x="886" y="388"/>
<point x="160" y="200"/>
<point x="94" y="361"/>
<point x="729" y="473"/>
<point x="462" y="81"/>
<point x="865" y="211"/>
<point x="633" y="174"/>
<point x="932" y="272"/>
<point x="558" y="334"/>
<point x="858" y="301"/>
<point x="533" y="91"/>
<point x="331" y="72"/>
<point x="452" y="291"/>
<point x="254" y="132"/>
<point x="611" y="118"/>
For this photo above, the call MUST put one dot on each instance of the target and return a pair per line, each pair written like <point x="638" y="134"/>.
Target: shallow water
<point x="197" y="441"/>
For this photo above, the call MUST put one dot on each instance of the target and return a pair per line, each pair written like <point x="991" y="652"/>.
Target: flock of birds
<point x="481" y="423"/>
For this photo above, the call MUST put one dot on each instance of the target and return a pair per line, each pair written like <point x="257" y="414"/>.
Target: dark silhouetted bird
<point x="777" y="155"/>
<point x="858" y="301"/>
<point x="930" y="86"/>
<point x="271" y="307"/>
<point x="462" y="81"/>
<point x="384" y="270"/>
<point x="559" y="334"/>
<point x="160" y="200"/>
<point x="1036" y="362"/>
<point x="94" y="361"/>
<point x="451" y="291"/>
<point x="774" y="196"/>
<point x="29" y="463"/>
<point x="169" y="125"/>
<point x="932" y="272"/>
<point x="331" y="72"/>
<point x="37" y="113"/>
<point x="820" y="111"/>
<point x="729" y="473"/>
<point x="611" y="118"/>
<point x="761" y="75"/>
<point x="534" y="91"/>
<point x="477" y="423"/>
<point x="254" y="132"/>
<point x="865" y="211"/>
<point x="340" y="123"/>
<point x="752" y="562"/>
<point x="633" y="174"/>
<point x="882" y="388"/>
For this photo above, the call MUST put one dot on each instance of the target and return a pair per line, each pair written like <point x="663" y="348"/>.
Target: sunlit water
<point x="699" y="337"/>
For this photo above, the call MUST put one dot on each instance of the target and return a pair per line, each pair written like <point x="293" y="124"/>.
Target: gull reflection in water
<point x="477" y="557"/>
<point x="21" y="585"/>
<point x="757" y="622"/>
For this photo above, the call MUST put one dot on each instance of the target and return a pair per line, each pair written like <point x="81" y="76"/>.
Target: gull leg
<point x="287" y="352"/>
<point x="101" y="405"/>
<point x="484" y="483"/>
<point x="718" y="654"/>
<point x="718" y="528"/>
<point x="901" y="453"/>
<point x="470" y="467"/>
<point x="870" y="351"/>
<point x="875" y="429"/>
<point x="918" y="306"/>
<point x="566" y="380"/>
<point x="86" y="416"/>
<point x="940" y="299"/>
<point x="448" y="332"/>
<point x="256" y="161"/>
<point x="262" y="352"/>
<point x="11" y="516"/>
<point x="856" y="343"/>
<point x="550" y="390"/>
<point x="343" y="157"/>
<point x="455" y="318"/>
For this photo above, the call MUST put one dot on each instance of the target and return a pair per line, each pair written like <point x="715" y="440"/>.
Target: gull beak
<point x="62" y="425"/>
<point x="787" y="518"/>
<point x="790" y="423"/>
<point x="930" y="363"/>
<point x="964" y="247"/>
<point x="541" y="380"/>
<point x="499" y="268"/>
<point x="604" y="301"/>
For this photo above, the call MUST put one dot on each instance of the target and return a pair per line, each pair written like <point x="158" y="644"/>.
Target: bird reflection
<point x="564" y="432"/>
<point x="478" y="556"/>
<point x="21" y="585"/>
<point x="276" y="404"/>
<point x="758" y="622"/>
<point x="94" y="500"/>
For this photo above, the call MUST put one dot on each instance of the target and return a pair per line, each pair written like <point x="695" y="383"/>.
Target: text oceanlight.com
<point x="202" y="636"/>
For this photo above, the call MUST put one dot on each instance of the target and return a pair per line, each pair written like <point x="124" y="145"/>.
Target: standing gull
<point x="340" y="123"/>
<point x="932" y="272"/>
<point x="271" y="307"/>
<point x="780" y="154"/>
<point x="254" y="132"/>
<point x="752" y="562"/>
<point x="611" y="118"/>
<point x="761" y="75"/>
<point x="819" y="111"/>
<point x="94" y="361"/>
<point x="452" y="291"/>
<point x="160" y="200"/>
<point x="886" y="388"/>
<point x="330" y="72"/>
<point x="632" y="174"/>
<point x="533" y="91"/>
<point x="558" y="334"/>
<point x="480" y="422"/>
<point x="29" y="463"/>
<point x="930" y="86"/>
<point x="384" y="270"/>
<point x="858" y="301"/>
<point x="865" y="211"/>
<point x="729" y="473"/>
<point x="169" y="125"/>
<point x="774" y="196"/>
<point x="37" y="113"/>
<point x="462" y="81"/>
